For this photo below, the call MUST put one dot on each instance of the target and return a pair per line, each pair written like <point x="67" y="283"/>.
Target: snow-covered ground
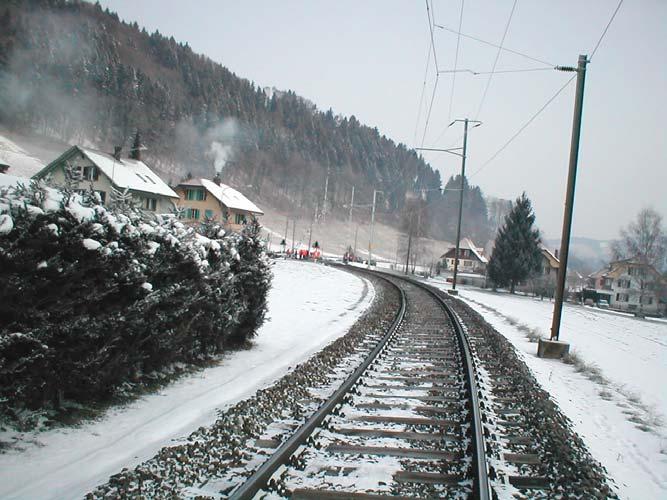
<point x="620" y="416"/>
<point x="310" y="305"/>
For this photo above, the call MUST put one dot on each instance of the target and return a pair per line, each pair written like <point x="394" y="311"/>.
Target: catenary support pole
<point x="569" y="199"/>
<point x="310" y="232"/>
<point x="407" y="256"/>
<point x="370" y="238"/>
<point x="463" y="180"/>
<point x="326" y="192"/>
<point x="286" y="228"/>
<point x="351" y="205"/>
<point x="356" y="233"/>
<point x="293" y="234"/>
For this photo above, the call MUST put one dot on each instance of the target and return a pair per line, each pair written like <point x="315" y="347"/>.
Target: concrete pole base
<point x="552" y="349"/>
<point x="453" y="292"/>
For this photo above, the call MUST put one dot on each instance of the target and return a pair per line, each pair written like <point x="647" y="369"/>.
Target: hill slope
<point x="72" y="71"/>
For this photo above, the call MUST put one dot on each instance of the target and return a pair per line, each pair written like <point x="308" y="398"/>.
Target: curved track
<point x="406" y="422"/>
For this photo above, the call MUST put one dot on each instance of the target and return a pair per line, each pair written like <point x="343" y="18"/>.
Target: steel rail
<point x="260" y="478"/>
<point x="481" y="484"/>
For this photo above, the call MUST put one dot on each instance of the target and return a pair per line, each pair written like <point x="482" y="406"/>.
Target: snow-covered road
<point x="310" y="305"/>
<point x="621" y="420"/>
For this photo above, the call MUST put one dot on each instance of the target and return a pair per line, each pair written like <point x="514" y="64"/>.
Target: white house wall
<point x="103" y="183"/>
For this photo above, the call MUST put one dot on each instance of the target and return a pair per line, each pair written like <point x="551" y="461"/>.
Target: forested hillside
<point x="71" y="70"/>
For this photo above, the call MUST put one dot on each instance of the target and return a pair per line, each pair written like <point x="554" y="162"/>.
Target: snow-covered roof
<point x="227" y="195"/>
<point x="124" y="173"/>
<point x="132" y="174"/>
<point x="554" y="262"/>
<point x="468" y="244"/>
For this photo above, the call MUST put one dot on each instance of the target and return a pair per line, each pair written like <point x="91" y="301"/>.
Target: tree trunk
<point x="512" y="286"/>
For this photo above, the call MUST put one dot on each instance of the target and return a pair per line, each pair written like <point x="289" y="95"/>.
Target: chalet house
<point x="630" y="285"/>
<point x="549" y="264"/>
<point x="202" y="199"/>
<point x="104" y="171"/>
<point x="471" y="259"/>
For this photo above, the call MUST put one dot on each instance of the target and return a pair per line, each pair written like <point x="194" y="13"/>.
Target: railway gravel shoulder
<point x="532" y="449"/>
<point x="216" y="459"/>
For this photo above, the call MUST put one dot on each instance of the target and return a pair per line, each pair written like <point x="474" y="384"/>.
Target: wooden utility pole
<point x="463" y="181"/>
<point x="326" y="192"/>
<point x="293" y="233"/>
<point x="407" y="256"/>
<point x="370" y="238"/>
<point x="569" y="197"/>
<point x="463" y="155"/>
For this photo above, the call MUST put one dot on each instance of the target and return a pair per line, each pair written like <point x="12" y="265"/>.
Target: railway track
<point x="421" y="399"/>
<point x="406" y="423"/>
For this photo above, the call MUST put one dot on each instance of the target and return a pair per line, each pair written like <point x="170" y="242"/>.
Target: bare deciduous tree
<point x="645" y="238"/>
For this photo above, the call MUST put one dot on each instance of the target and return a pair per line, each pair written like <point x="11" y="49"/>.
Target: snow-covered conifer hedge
<point x="92" y="299"/>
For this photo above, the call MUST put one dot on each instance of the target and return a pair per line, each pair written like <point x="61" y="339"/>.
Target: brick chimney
<point x="116" y="152"/>
<point x="217" y="179"/>
<point x="556" y="252"/>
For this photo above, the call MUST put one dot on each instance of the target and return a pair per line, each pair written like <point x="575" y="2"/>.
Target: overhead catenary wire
<point x="523" y="127"/>
<point x="597" y="45"/>
<point x="456" y="61"/>
<point x="551" y="99"/>
<point x="496" y="72"/>
<point x="421" y="98"/>
<point x="495" y="62"/>
<point x="437" y="73"/>
<point x="534" y="59"/>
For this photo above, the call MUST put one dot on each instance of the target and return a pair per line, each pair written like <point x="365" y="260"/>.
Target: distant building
<point x="629" y="285"/>
<point x="549" y="263"/>
<point x="471" y="258"/>
<point x="201" y="199"/>
<point x="104" y="171"/>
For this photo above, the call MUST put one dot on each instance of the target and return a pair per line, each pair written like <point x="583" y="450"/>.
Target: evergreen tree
<point x="516" y="253"/>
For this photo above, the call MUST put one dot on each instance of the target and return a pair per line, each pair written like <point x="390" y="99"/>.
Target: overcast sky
<point x="368" y="59"/>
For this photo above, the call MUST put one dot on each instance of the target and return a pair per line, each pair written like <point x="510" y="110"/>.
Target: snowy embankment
<point x="309" y="306"/>
<point x="615" y="396"/>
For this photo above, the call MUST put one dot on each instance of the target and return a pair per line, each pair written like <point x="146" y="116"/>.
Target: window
<point x="195" y="194"/>
<point x="103" y="196"/>
<point x="150" y="204"/>
<point x="208" y="214"/>
<point x="239" y="218"/>
<point x="90" y="173"/>
<point x="646" y="300"/>
<point x="637" y="271"/>
<point x="622" y="297"/>
<point x="192" y="213"/>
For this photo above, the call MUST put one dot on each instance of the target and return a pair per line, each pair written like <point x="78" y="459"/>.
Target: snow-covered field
<point x="310" y="305"/>
<point x="620" y="415"/>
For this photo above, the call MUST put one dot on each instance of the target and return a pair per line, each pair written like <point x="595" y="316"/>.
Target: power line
<point x="456" y="60"/>
<point x="494" y="45"/>
<point x="421" y="98"/>
<point x="495" y="62"/>
<point x="430" y="28"/>
<point x="605" y="30"/>
<point x="523" y="127"/>
<point x="437" y="73"/>
<point x="495" y="72"/>
<point x="532" y="118"/>
<point x="430" y="108"/>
